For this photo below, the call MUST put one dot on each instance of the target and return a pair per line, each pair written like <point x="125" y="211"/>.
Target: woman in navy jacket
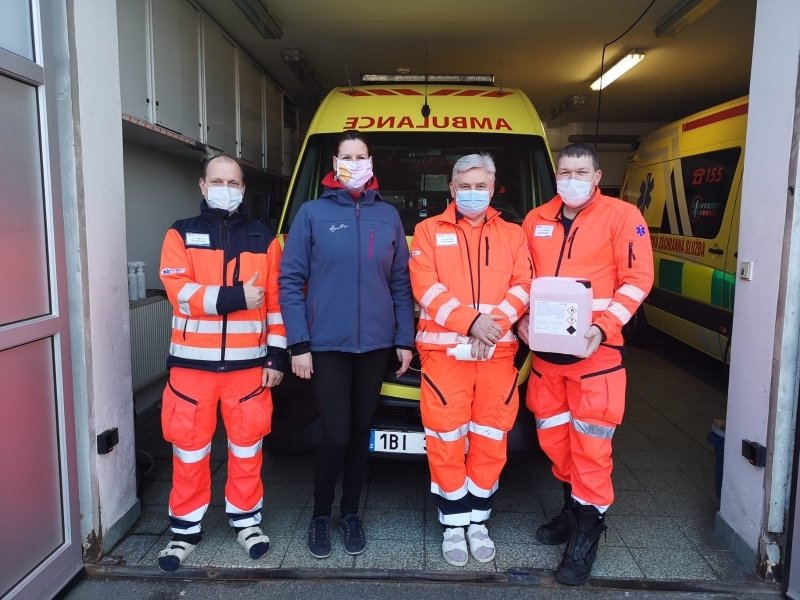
<point x="346" y="301"/>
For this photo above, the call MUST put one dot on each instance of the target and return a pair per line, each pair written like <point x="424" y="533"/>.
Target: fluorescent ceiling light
<point x="571" y="104"/>
<point x="682" y="15"/>
<point x="261" y="17"/>
<point x="630" y="60"/>
<point x="302" y="69"/>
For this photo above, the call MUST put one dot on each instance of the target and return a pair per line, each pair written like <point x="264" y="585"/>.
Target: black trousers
<point x="346" y="387"/>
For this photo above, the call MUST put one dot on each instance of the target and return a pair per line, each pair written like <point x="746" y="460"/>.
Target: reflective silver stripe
<point x="455" y="520"/>
<point x="190" y="352"/>
<point x="454" y="495"/>
<point x="619" y="311"/>
<point x="600" y="304"/>
<point x="554" y="421"/>
<point x="479" y="516"/>
<point x="277" y="341"/>
<point x="486" y="431"/>
<point x="274" y="318"/>
<point x="234" y="510"/>
<point x="519" y="292"/>
<point x="245" y="451"/>
<point x="187" y="291"/>
<point x="449" y="338"/>
<point x="449" y="436"/>
<point x="215" y="326"/>
<point x="507" y="309"/>
<point x="249" y="521"/>
<point x="480" y="492"/>
<point x="210" y="299"/>
<point x="486" y="308"/>
<point x="431" y="293"/>
<point x="191" y="456"/>
<point x="631" y="291"/>
<point x="445" y="310"/>
<point x="598" y="431"/>
<point x="195" y="516"/>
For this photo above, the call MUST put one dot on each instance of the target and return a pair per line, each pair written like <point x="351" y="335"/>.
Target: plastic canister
<point x="133" y="289"/>
<point x="140" y="281"/>
<point x="561" y="314"/>
<point x="464" y="352"/>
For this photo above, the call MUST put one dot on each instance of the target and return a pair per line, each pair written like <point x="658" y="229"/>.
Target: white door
<point x="39" y="528"/>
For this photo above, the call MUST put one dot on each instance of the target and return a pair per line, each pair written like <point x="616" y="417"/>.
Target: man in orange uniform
<point x="578" y="400"/>
<point x="471" y="274"/>
<point x="220" y="271"/>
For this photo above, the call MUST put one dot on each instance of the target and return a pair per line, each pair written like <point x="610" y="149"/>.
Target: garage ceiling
<point x="549" y="48"/>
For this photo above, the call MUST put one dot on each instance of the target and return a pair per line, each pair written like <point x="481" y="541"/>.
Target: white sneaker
<point x="481" y="545"/>
<point x="454" y="546"/>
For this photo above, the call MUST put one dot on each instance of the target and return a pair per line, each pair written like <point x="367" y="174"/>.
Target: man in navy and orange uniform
<point x="579" y="401"/>
<point x="471" y="275"/>
<point x="220" y="271"/>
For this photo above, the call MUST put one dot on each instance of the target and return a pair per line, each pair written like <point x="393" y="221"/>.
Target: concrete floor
<point x="660" y="529"/>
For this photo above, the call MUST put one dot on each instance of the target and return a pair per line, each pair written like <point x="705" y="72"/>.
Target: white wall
<point x="98" y="281"/>
<point x="613" y="158"/>
<point x="159" y="190"/>
<point x="754" y="359"/>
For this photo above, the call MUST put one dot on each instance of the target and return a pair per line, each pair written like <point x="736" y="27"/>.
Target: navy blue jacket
<point x="353" y="257"/>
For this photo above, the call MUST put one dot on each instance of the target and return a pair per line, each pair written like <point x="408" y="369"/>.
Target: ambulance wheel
<point x="637" y="331"/>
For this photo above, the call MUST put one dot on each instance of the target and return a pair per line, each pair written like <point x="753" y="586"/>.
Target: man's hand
<point x="522" y="328"/>
<point x="302" y="365"/>
<point x="485" y="329"/>
<point x="404" y="356"/>
<point x="253" y="295"/>
<point x="595" y="336"/>
<point x="480" y="350"/>
<point x="271" y="377"/>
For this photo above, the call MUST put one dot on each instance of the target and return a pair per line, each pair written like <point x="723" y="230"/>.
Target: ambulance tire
<point x="637" y="332"/>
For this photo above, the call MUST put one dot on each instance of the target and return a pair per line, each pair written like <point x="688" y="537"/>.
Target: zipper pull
<point x="358" y="208"/>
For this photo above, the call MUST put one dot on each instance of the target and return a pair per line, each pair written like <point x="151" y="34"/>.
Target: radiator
<point x="151" y="326"/>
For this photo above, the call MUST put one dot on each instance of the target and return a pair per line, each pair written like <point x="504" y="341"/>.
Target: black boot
<point x="556" y="530"/>
<point x="585" y="528"/>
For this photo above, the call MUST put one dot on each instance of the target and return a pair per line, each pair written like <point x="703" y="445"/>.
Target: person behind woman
<point x="345" y="296"/>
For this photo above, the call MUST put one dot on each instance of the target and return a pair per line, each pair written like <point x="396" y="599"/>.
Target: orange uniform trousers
<point x="577" y="408"/>
<point x="188" y="421"/>
<point x="467" y="409"/>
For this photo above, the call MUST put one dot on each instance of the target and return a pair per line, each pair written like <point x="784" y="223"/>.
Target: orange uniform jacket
<point x="458" y="272"/>
<point x="608" y="244"/>
<point x="204" y="262"/>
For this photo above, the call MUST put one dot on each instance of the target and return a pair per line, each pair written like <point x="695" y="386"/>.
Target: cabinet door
<point x="219" y="58"/>
<point x="251" y="112"/>
<point x="274" y="115"/>
<point x="176" y="66"/>
<point x="134" y="58"/>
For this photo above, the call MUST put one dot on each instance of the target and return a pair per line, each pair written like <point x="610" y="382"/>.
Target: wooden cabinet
<point x="176" y="66"/>
<point x="251" y="112"/>
<point x="274" y="116"/>
<point x="134" y="58"/>
<point x="219" y="85"/>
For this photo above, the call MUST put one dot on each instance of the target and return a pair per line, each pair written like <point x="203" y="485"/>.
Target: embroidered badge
<point x="172" y="271"/>
<point x="338" y="227"/>
<point x="640" y="230"/>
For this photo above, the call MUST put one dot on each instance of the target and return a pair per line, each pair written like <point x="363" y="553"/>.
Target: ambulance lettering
<point x="365" y="122"/>
<point x="678" y="245"/>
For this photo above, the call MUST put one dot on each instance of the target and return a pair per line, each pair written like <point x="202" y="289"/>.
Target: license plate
<point x="401" y="442"/>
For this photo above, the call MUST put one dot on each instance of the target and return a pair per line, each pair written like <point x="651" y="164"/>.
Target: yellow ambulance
<point x="417" y="132"/>
<point x="686" y="178"/>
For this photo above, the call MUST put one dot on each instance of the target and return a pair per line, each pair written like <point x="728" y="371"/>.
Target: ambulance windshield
<point x="414" y="171"/>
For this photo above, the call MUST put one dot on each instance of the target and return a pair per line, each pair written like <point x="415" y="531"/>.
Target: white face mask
<point x="472" y="203"/>
<point x="224" y="197"/>
<point x="354" y="174"/>
<point x="574" y="192"/>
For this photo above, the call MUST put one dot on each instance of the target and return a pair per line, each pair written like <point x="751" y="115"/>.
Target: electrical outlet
<point x="746" y="270"/>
